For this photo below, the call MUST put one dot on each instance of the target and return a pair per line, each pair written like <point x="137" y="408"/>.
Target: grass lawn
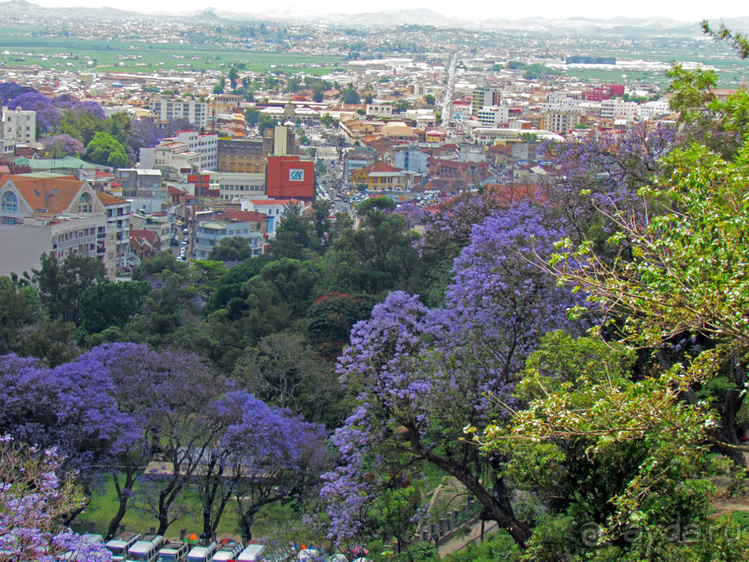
<point x="103" y="507"/>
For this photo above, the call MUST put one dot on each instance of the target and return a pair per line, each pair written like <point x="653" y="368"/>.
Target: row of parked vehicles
<point x="134" y="547"/>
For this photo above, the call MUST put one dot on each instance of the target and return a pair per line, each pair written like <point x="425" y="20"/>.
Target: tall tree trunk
<point x="123" y="494"/>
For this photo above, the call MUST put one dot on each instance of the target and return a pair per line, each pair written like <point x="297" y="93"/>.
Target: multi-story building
<point x="175" y="155"/>
<point x="472" y="173"/>
<point x="19" y="126"/>
<point x="139" y="182"/>
<point x="57" y="215"/>
<point x="164" y="110"/>
<point x="618" y="109"/>
<point x="380" y="109"/>
<point x="561" y="121"/>
<point x="241" y="156"/>
<point x="273" y="209"/>
<point x="356" y="160"/>
<point x="248" y="155"/>
<point x="493" y="116"/>
<point x="381" y="177"/>
<point x="290" y="177"/>
<point x="604" y="92"/>
<point x="484" y="97"/>
<point x="248" y="225"/>
<point x="650" y="109"/>
<point x="355" y="129"/>
<point x="117" y="244"/>
<point x="226" y="103"/>
<point x="411" y="159"/>
<point x="241" y="185"/>
<point x="205" y="145"/>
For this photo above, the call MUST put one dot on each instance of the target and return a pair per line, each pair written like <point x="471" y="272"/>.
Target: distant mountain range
<point x="21" y="9"/>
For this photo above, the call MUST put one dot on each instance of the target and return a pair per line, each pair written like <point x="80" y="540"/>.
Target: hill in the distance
<point x="23" y="10"/>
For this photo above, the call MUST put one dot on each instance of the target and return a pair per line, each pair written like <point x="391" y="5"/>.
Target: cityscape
<point x="371" y="286"/>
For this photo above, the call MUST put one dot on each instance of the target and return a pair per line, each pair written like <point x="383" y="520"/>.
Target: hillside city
<point x="288" y="289"/>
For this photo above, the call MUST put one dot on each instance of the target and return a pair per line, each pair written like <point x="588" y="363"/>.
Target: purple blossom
<point x="47" y="115"/>
<point x="63" y="145"/>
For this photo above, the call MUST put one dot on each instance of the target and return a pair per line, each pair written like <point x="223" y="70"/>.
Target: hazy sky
<point x="675" y="9"/>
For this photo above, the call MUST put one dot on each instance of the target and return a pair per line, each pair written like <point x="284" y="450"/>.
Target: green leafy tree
<point x="378" y="256"/>
<point x="266" y="124"/>
<point x="62" y="284"/>
<point x="20" y="306"/>
<point x="233" y="77"/>
<point x="284" y="371"/>
<point x="82" y="126"/>
<point x="155" y="265"/>
<point x="231" y="249"/>
<point x="350" y="96"/>
<point x="327" y="120"/>
<point x="252" y="116"/>
<point x="293" y="235"/>
<point x="429" y="99"/>
<point x="111" y="304"/>
<point x="107" y="150"/>
<point x="330" y="318"/>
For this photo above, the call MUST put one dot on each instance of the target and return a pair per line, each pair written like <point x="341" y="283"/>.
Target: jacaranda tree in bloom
<point x="33" y="502"/>
<point x="422" y="374"/>
<point x="264" y="455"/>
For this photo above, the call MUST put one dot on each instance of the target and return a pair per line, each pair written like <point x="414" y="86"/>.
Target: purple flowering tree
<point x="72" y="407"/>
<point x="47" y="115"/>
<point x="9" y="90"/>
<point x="144" y="133"/>
<point x="603" y="173"/>
<point x="423" y="375"/>
<point x="132" y="369"/>
<point x="33" y="500"/>
<point x="63" y="145"/>
<point x="90" y="107"/>
<point x="263" y="456"/>
<point x="177" y="389"/>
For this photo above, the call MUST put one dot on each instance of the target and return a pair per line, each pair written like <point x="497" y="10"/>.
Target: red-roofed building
<point x="472" y="173"/>
<point x="273" y="208"/>
<point x="58" y="215"/>
<point x="381" y="177"/>
<point x="145" y="243"/>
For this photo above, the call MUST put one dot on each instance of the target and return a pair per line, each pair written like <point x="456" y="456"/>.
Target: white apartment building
<point x="195" y="112"/>
<point x="175" y="155"/>
<point x="19" y="126"/>
<point x="649" y="109"/>
<point x="380" y="109"/>
<point x="564" y="99"/>
<point x="240" y="185"/>
<point x="205" y="145"/>
<point x="493" y="116"/>
<point x="618" y="109"/>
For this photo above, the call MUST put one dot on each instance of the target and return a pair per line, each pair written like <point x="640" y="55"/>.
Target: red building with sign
<point x="290" y="177"/>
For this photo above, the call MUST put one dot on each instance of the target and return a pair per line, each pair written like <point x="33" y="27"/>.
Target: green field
<point x="19" y="49"/>
<point x="103" y="507"/>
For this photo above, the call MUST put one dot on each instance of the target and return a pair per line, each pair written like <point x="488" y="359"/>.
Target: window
<point x="85" y="203"/>
<point x="10" y="202"/>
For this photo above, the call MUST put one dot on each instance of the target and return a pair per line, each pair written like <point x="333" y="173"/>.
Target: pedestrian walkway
<point x="462" y="541"/>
